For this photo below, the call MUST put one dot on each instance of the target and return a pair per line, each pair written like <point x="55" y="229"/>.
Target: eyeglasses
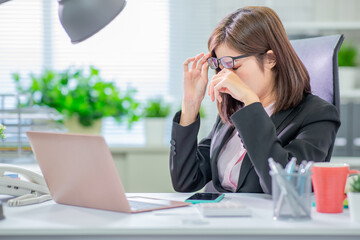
<point x="226" y="62"/>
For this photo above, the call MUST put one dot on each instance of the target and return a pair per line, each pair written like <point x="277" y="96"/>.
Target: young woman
<point x="265" y="106"/>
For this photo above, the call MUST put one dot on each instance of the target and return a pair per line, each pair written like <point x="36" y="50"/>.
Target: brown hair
<point x="254" y="31"/>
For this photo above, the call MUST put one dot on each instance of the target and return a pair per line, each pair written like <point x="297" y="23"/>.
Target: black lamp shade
<point x="83" y="18"/>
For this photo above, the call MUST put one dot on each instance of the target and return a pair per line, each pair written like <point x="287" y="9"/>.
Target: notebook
<point x="79" y="170"/>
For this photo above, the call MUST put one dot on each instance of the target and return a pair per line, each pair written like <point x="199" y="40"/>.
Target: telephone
<point x="32" y="191"/>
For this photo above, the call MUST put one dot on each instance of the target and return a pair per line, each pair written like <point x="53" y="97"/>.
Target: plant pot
<point x="354" y="206"/>
<point x="73" y="126"/>
<point x="348" y="78"/>
<point x="154" y="130"/>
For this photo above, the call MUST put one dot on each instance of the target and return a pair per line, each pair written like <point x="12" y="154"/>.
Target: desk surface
<point x="50" y="220"/>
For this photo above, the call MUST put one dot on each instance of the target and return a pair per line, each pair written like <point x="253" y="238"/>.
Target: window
<point x="21" y="40"/>
<point x="131" y="51"/>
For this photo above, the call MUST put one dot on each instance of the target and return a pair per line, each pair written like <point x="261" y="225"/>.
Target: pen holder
<point x="291" y="194"/>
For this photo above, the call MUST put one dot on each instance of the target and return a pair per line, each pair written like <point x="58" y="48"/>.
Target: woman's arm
<point x="189" y="162"/>
<point x="314" y="135"/>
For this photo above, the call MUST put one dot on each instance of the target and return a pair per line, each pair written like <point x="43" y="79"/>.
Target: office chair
<point x="319" y="55"/>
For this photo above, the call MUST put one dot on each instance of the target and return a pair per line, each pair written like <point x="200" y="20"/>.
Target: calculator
<point x="224" y="209"/>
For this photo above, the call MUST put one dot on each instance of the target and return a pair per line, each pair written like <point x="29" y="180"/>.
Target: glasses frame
<point x="219" y="60"/>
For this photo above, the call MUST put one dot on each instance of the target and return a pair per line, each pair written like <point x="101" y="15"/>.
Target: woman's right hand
<point x="195" y="82"/>
<point x="196" y="78"/>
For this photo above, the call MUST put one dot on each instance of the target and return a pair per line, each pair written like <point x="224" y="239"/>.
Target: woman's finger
<point x="194" y="64"/>
<point x="203" y="61"/>
<point x="186" y="64"/>
<point x="211" y="85"/>
<point x="220" y="88"/>
<point x="217" y="94"/>
<point x="214" y="81"/>
<point x="223" y="71"/>
<point x="205" y="68"/>
<point x="212" y="96"/>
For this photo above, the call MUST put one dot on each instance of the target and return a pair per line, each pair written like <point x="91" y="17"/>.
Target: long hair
<point x="254" y="31"/>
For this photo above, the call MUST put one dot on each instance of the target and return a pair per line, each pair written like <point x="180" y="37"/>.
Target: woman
<point x="265" y="106"/>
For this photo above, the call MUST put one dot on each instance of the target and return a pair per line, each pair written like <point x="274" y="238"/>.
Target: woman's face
<point x="259" y="80"/>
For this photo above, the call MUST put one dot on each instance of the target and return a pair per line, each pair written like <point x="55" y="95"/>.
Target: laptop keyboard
<point x="136" y="205"/>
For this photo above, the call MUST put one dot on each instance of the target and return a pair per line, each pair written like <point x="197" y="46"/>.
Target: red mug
<point x="329" y="181"/>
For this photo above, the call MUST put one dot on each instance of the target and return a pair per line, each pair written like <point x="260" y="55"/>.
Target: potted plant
<point x="354" y="199"/>
<point x="155" y="112"/>
<point x="82" y="97"/>
<point x="347" y="67"/>
<point x="2" y="129"/>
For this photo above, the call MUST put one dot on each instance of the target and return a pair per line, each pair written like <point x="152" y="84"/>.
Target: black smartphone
<point x="205" y="197"/>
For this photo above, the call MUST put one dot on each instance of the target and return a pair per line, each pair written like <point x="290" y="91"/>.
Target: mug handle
<point x="354" y="172"/>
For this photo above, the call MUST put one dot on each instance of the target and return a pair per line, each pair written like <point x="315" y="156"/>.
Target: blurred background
<point x="126" y="81"/>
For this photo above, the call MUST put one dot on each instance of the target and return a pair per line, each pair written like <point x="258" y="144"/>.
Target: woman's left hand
<point x="226" y="81"/>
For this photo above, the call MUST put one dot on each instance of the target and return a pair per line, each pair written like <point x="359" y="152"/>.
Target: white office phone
<point x="34" y="190"/>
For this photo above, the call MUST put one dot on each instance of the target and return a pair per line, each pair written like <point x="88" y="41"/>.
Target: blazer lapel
<point x="280" y="121"/>
<point x="246" y="165"/>
<point x="218" y="141"/>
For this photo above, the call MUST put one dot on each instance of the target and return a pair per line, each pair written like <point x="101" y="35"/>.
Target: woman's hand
<point x="196" y="78"/>
<point x="195" y="82"/>
<point x="226" y="81"/>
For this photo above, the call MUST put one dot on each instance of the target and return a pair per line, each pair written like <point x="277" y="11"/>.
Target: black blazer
<point x="306" y="132"/>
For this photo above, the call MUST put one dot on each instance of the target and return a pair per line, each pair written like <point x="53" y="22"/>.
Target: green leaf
<point x="355" y="185"/>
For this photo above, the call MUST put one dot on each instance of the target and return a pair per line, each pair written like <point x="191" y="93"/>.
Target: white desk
<point x="53" y="221"/>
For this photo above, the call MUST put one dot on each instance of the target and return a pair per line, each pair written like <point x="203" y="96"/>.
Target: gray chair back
<point x="319" y="55"/>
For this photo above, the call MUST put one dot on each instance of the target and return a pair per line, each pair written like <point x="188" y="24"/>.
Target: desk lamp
<point x="83" y="18"/>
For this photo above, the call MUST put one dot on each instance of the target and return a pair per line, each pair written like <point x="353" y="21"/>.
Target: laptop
<point x="80" y="171"/>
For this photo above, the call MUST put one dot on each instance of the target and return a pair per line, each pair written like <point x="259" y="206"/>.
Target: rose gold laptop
<point x="79" y="170"/>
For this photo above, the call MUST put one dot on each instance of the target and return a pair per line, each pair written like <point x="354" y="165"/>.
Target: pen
<point x="303" y="170"/>
<point x="290" y="167"/>
<point x="309" y="166"/>
<point x="277" y="169"/>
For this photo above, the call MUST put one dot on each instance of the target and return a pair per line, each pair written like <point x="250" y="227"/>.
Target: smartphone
<point x="205" y="197"/>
